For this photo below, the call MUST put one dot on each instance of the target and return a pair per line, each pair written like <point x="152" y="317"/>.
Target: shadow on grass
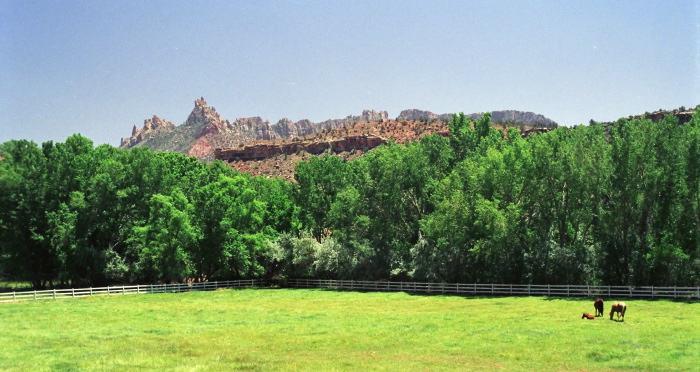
<point x="416" y="293"/>
<point x="488" y="296"/>
<point x="622" y="299"/>
<point x="13" y="286"/>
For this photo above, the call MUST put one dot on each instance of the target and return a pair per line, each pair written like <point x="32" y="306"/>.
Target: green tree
<point x="320" y="179"/>
<point x="233" y="221"/>
<point x="25" y="239"/>
<point x="166" y="238"/>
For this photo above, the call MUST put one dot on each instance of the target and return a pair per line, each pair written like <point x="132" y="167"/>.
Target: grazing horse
<point x="598" y="304"/>
<point x="619" y="308"/>
<point x="588" y="316"/>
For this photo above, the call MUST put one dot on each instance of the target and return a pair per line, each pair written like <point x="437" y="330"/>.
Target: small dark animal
<point x="588" y="316"/>
<point x="598" y="304"/>
<point x="619" y="308"/>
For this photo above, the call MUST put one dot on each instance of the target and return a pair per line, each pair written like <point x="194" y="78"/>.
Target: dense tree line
<point x="574" y="205"/>
<point x="72" y="214"/>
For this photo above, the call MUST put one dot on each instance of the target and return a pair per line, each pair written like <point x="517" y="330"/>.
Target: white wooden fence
<point x="381" y="286"/>
<point x="57" y="294"/>
<point x="499" y="289"/>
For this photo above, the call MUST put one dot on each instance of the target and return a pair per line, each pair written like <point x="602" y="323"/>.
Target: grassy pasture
<point x="323" y="330"/>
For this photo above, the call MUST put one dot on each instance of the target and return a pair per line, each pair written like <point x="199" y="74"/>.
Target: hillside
<point x="683" y="114"/>
<point x="279" y="158"/>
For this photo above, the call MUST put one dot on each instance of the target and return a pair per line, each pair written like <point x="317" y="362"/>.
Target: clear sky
<point x="99" y="67"/>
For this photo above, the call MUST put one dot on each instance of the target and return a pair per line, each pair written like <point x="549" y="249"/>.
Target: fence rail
<point x="374" y="286"/>
<point x="500" y="289"/>
<point x="57" y="294"/>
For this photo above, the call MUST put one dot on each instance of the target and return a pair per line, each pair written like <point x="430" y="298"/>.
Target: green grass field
<point x="321" y="330"/>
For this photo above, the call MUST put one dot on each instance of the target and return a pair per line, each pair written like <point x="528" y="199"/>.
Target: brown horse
<point x="598" y="304"/>
<point x="619" y="308"/>
<point x="588" y="316"/>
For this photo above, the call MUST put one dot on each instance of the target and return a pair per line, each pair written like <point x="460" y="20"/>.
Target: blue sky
<point x="100" y="67"/>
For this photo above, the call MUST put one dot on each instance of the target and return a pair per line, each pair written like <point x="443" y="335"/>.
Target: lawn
<point x="321" y="330"/>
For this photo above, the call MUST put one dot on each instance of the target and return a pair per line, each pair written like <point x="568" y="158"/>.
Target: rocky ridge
<point x="150" y="128"/>
<point x="279" y="158"/>
<point x="205" y="130"/>
<point x="263" y="151"/>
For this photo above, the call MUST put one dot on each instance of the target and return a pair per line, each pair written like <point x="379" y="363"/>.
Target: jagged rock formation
<point x="202" y="113"/>
<point x="367" y="115"/>
<point x="205" y="130"/>
<point x="527" y="118"/>
<point x="415" y="114"/>
<point x="286" y="128"/>
<point x="150" y="128"/>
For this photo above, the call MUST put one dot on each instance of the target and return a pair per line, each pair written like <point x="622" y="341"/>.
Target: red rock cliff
<point x="264" y="151"/>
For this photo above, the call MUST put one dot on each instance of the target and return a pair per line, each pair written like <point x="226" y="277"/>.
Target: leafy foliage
<point x="571" y="206"/>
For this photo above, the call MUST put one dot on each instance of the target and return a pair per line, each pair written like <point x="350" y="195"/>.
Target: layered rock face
<point x="151" y="127"/>
<point x="264" y="151"/>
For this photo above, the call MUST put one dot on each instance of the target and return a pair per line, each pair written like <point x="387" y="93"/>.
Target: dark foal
<point x="598" y="304"/>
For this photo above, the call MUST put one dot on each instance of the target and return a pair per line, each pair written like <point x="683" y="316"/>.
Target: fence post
<point x="35" y="295"/>
<point x="54" y="293"/>
<point x="652" y="291"/>
<point x="608" y="291"/>
<point x="73" y="292"/>
<point x="674" y="292"/>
